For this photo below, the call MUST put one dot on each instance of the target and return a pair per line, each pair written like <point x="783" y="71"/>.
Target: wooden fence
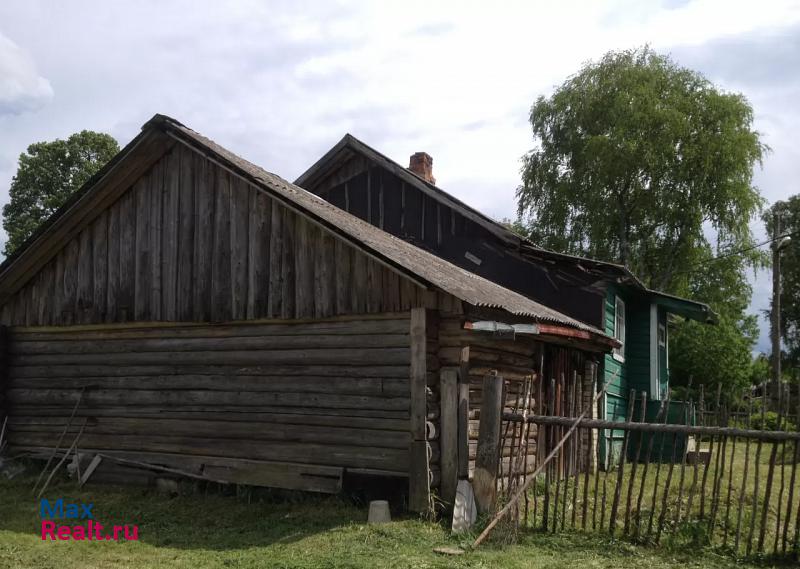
<point x="704" y="479"/>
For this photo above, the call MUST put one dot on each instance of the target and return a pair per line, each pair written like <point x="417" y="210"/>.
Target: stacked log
<point x="319" y="394"/>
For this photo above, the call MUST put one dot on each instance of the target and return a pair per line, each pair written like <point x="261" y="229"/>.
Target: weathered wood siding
<point x="191" y="242"/>
<point x="381" y="198"/>
<point x="326" y="393"/>
<point x="478" y="354"/>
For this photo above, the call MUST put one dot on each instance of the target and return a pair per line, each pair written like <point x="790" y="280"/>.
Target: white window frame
<point x="619" y="353"/>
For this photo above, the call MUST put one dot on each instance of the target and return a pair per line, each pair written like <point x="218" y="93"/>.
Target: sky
<point x="279" y="83"/>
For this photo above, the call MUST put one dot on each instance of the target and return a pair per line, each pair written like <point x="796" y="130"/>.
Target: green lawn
<point x="200" y="531"/>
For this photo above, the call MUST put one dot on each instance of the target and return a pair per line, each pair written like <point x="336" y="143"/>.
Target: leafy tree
<point x="720" y="354"/>
<point x="48" y="174"/>
<point x="639" y="161"/>
<point x="789" y="212"/>
<point x="760" y="370"/>
<point x="634" y="158"/>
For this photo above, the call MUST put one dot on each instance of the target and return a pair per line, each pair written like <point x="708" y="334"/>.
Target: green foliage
<point x="759" y="370"/>
<point x="637" y="161"/>
<point x="789" y="211"/>
<point x="633" y="156"/>
<point x="769" y="422"/>
<point x="718" y="354"/>
<point x="47" y="175"/>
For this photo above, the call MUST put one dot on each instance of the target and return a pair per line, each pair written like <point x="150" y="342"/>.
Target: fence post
<point x="487" y="458"/>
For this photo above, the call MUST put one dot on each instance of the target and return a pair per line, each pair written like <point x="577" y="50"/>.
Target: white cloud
<point x="21" y="87"/>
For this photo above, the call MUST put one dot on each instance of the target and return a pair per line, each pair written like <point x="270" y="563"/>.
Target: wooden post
<point x="756" y="472"/>
<point x="686" y="420"/>
<point x="744" y="480"/>
<point x="658" y="467"/>
<point x="487" y="458"/>
<point x="612" y="524"/>
<point x="787" y="406"/>
<point x="590" y="454"/>
<point x="635" y="463"/>
<point x="419" y="490"/>
<point x="792" y="480"/>
<point x="541" y="431"/>
<point x="559" y="459"/>
<point x="463" y="416"/>
<point x="550" y="443"/>
<point x="651" y="439"/>
<point x="3" y="379"/>
<point x="448" y="438"/>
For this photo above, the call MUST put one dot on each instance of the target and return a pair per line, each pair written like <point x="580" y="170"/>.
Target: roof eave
<point x="689" y="309"/>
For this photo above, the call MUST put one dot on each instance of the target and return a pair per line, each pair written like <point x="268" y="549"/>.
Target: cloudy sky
<point x="281" y="82"/>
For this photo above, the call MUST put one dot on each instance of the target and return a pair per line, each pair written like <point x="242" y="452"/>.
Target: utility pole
<point x="776" y="302"/>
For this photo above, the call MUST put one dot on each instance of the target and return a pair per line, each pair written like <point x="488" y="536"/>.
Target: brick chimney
<point x="421" y="164"/>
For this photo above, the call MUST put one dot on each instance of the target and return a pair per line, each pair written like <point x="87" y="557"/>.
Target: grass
<point x="197" y="531"/>
<point x="692" y="531"/>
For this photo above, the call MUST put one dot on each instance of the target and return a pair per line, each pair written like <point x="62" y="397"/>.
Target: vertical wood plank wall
<point x="381" y="198"/>
<point x="191" y="242"/>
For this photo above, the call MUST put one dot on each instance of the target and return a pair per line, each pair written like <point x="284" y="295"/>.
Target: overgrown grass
<point x="729" y="506"/>
<point x="199" y="531"/>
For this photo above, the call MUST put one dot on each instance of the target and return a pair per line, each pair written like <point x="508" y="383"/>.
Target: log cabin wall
<point x="319" y="396"/>
<point x="521" y="362"/>
<point x="212" y="329"/>
<point x="515" y="361"/>
<point x="475" y="355"/>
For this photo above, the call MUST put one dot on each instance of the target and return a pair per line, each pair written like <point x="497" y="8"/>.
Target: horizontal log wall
<point x="191" y="242"/>
<point x="319" y="394"/>
<point x="515" y="360"/>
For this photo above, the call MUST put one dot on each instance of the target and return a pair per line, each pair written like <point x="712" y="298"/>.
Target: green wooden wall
<point x="633" y="372"/>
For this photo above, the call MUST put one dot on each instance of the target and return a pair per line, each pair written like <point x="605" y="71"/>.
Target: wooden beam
<point x="656" y="428"/>
<point x="463" y="415"/>
<point x="419" y="479"/>
<point x="487" y="458"/>
<point x="448" y="440"/>
<point x="90" y="469"/>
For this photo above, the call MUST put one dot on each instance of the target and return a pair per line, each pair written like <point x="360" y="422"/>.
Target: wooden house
<point x="190" y="311"/>
<point x="406" y="203"/>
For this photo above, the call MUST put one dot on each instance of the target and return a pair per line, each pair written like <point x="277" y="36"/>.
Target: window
<point x="662" y="336"/>
<point x="619" y="328"/>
